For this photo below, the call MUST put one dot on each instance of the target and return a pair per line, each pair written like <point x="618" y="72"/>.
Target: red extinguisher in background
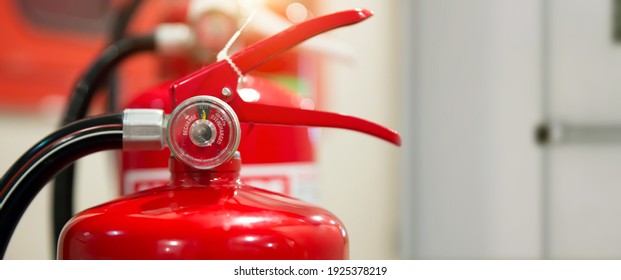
<point x="290" y="166"/>
<point x="205" y="211"/>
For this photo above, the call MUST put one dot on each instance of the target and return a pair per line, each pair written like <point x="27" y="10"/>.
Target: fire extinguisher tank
<point x="204" y="214"/>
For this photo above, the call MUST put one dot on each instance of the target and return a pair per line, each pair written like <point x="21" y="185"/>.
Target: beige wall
<point x="360" y="173"/>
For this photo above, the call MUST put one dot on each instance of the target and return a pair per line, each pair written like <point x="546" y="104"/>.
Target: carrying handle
<point x="221" y="80"/>
<point x="279" y="115"/>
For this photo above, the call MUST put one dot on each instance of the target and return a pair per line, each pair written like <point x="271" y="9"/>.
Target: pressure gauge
<point x="203" y="132"/>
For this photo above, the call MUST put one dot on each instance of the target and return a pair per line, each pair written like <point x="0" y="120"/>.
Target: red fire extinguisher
<point x="182" y="44"/>
<point x="205" y="211"/>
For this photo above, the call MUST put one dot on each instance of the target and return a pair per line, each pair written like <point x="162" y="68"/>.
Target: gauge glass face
<point x="203" y="132"/>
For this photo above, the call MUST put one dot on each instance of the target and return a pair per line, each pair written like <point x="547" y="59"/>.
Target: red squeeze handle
<point x="257" y="54"/>
<point x="220" y="74"/>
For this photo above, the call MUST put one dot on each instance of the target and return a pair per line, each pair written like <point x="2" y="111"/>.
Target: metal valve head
<point x="204" y="132"/>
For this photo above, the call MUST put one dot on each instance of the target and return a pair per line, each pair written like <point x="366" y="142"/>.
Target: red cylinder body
<point x="204" y="214"/>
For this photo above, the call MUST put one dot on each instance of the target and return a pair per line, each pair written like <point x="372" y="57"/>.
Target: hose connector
<point x="174" y="38"/>
<point x="143" y="129"/>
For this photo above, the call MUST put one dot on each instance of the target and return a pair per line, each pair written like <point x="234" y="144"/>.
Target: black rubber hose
<point x="78" y="106"/>
<point x="119" y="28"/>
<point x="89" y="83"/>
<point x="35" y="168"/>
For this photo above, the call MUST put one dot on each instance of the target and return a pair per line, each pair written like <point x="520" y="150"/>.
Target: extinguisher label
<point x="143" y="179"/>
<point x="294" y="179"/>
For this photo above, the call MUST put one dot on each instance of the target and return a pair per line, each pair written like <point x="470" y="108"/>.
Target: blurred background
<point x="507" y="109"/>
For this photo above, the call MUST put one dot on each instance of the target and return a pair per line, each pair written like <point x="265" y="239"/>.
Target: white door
<point x="584" y="176"/>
